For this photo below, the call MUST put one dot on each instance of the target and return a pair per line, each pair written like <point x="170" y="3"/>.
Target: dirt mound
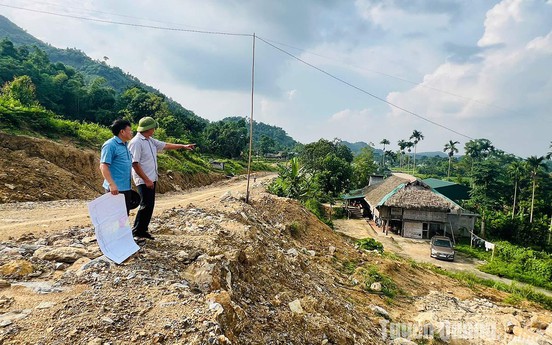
<point x="228" y="273"/>
<point x="33" y="169"/>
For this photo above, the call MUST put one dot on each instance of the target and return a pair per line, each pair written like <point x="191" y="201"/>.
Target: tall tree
<point x="21" y="89"/>
<point x="409" y="146"/>
<point x="391" y="157"/>
<point x="402" y="145"/>
<point x="534" y="164"/>
<point x="451" y="149"/>
<point x="383" y="142"/>
<point x="479" y="149"/>
<point x="483" y="194"/>
<point x="417" y="136"/>
<point x="516" y="170"/>
<point x="549" y="154"/>
<point x="363" y="166"/>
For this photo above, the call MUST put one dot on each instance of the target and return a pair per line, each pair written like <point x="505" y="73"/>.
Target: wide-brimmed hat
<point x="134" y="199"/>
<point x="147" y="123"/>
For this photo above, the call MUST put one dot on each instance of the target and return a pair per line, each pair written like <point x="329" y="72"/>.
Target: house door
<point x="435" y="229"/>
<point x="425" y="230"/>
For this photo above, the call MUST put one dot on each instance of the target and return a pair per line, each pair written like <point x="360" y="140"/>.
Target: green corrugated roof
<point x="354" y="194"/>
<point x="435" y="183"/>
<point x="453" y="191"/>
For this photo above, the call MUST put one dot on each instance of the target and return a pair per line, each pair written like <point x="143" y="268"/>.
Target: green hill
<point x="268" y="138"/>
<point x="80" y="88"/>
<point x="75" y="58"/>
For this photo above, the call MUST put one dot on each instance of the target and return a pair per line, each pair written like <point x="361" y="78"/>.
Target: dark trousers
<point x="145" y="211"/>
<point x="127" y="195"/>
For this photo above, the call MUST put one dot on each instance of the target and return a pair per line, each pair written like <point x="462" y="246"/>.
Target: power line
<point x="80" y="9"/>
<point x="362" y="90"/>
<point x="401" y="79"/>
<point x="243" y="35"/>
<point x="129" y="24"/>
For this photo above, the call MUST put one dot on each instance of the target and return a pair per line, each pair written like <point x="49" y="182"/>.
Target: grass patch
<point x="371" y="275"/>
<point x="518" y="291"/>
<point x="369" y="244"/>
<point x="349" y="267"/>
<point x="514" y="262"/>
<point x="295" y="229"/>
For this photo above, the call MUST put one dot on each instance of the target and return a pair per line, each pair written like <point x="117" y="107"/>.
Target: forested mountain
<point x="71" y="84"/>
<point x="269" y="139"/>
<point x="357" y="147"/>
<point x="73" y="57"/>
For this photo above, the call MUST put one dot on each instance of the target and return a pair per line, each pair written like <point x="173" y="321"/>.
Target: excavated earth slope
<point x="33" y="169"/>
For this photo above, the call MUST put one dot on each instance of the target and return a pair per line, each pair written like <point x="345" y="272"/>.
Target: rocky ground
<point x="220" y="271"/>
<point x="267" y="272"/>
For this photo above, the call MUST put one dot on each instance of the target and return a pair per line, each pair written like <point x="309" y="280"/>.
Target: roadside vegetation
<point x="518" y="292"/>
<point x="514" y="262"/>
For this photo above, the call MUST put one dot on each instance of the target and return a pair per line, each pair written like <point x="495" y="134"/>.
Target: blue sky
<point x="480" y="68"/>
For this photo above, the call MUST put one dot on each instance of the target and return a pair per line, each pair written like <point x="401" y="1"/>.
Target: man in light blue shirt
<point x="116" y="161"/>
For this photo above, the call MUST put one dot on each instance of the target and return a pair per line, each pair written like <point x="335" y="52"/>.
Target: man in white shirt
<point x="144" y="149"/>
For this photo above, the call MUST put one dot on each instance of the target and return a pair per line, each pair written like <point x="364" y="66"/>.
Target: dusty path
<point x="417" y="250"/>
<point x="17" y="219"/>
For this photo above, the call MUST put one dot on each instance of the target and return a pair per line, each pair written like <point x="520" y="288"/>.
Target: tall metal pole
<point x="251" y="121"/>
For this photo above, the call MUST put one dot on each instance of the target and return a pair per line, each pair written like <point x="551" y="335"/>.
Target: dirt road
<point x="417" y="250"/>
<point x="17" y="219"/>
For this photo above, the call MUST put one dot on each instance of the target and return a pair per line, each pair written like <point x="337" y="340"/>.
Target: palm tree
<point x="409" y="146"/>
<point x="478" y="149"/>
<point x="391" y="156"/>
<point x="534" y="164"/>
<point x="402" y="145"/>
<point x="451" y="148"/>
<point x="417" y="136"/>
<point x="516" y="170"/>
<point x="384" y="142"/>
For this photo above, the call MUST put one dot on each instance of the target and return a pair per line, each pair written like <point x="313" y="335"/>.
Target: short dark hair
<point x="118" y="125"/>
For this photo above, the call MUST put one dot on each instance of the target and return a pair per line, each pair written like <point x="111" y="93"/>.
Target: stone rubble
<point x="230" y="274"/>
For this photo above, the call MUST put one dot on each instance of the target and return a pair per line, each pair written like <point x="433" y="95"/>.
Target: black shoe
<point x="139" y="241"/>
<point x="144" y="235"/>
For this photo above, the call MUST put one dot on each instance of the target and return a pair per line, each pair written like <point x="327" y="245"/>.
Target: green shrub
<point x="372" y="275"/>
<point x="339" y="213"/>
<point x="369" y="244"/>
<point x="514" y="262"/>
<point x="294" y="229"/>
<point x="349" y="267"/>
<point x="92" y="133"/>
<point x="317" y="209"/>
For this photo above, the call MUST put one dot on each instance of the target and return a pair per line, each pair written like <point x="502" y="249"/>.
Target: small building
<point x="411" y="208"/>
<point x="454" y="191"/>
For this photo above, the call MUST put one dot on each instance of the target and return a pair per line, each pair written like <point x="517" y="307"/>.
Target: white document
<point x="109" y="217"/>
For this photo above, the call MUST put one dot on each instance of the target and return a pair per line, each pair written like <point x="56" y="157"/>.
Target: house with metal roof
<point x="453" y="191"/>
<point x="411" y="208"/>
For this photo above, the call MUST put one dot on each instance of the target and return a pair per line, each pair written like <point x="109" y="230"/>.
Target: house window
<point x="425" y="226"/>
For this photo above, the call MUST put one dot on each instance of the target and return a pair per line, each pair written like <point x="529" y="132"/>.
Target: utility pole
<point x="251" y="122"/>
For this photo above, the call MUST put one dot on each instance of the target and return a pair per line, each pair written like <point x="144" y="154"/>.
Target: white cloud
<point x="483" y="65"/>
<point x="508" y="87"/>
